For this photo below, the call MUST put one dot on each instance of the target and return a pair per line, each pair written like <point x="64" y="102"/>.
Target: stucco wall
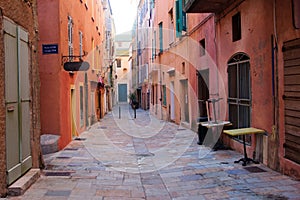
<point x="256" y="30"/>
<point x="56" y="82"/>
<point x="24" y="15"/>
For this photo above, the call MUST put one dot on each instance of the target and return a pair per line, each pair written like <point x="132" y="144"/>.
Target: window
<point x="94" y="54"/>
<point x="161" y="48"/>
<point x="80" y="44"/>
<point x="183" y="68"/>
<point x="239" y="92"/>
<point x="164" y="97"/>
<point x="171" y="27"/>
<point x="154" y="45"/>
<point x="296" y="13"/>
<point x="81" y="106"/>
<point x="119" y="63"/>
<point x="236" y="27"/>
<point x="202" y="47"/>
<point x="180" y="18"/>
<point x="70" y="36"/>
<point x="152" y="94"/>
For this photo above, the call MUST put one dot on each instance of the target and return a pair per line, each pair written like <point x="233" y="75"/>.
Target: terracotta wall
<point x="256" y="43"/>
<point x="56" y="82"/>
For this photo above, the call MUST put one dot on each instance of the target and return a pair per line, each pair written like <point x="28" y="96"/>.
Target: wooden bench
<point x="243" y="132"/>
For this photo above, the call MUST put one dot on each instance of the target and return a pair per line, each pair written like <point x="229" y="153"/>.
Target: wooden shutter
<point x="291" y="55"/>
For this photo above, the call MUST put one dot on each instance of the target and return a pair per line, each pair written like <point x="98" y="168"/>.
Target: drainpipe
<point x="275" y="127"/>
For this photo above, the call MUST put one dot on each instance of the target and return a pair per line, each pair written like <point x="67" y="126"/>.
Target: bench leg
<point x="245" y="160"/>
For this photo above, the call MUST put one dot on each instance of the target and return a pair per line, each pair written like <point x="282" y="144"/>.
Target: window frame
<point x="236" y="27"/>
<point x="70" y="38"/>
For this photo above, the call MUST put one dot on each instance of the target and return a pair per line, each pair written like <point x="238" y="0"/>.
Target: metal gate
<point x="17" y="100"/>
<point x="291" y="55"/>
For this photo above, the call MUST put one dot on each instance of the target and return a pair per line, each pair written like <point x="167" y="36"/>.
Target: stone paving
<point x="145" y="158"/>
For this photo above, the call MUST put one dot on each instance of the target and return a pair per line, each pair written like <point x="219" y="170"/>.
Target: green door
<point x="122" y="89"/>
<point x="17" y="100"/>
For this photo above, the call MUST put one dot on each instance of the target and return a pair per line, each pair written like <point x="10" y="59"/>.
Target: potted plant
<point x="132" y="100"/>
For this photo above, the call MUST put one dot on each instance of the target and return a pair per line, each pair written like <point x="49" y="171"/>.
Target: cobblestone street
<point x="146" y="158"/>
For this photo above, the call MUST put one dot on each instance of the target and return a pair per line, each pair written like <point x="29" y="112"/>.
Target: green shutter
<point x="184" y="26"/>
<point x="154" y="45"/>
<point x="180" y="18"/>
<point x="161" y="37"/>
<point x="164" y="95"/>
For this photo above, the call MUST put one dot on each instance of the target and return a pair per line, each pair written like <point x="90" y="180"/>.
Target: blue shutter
<point x="154" y="45"/>
<point x="161" y="48"/>
<point x="178" y="19"/>
<point x="184" y="25"/>
<point x="164" y="95"/>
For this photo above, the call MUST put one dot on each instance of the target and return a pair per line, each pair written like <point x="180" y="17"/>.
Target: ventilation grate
<point x="254" y="169"/>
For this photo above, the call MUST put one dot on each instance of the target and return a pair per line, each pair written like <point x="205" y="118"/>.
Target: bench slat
<point x="243" y="131"/>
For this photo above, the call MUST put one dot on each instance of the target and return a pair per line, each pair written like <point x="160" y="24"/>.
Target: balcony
<point x="206" y="6"/>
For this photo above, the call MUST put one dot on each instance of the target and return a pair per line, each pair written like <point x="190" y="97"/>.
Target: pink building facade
<point x="257" y="53"/>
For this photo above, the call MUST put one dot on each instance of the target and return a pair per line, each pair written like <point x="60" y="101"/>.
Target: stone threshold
<point x="22" y="184"/>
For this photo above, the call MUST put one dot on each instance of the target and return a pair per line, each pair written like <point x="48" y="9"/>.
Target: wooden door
<point x="17" y="96"/>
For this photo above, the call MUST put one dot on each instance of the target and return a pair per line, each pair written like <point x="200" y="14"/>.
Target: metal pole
<point x="134" y="113"/>
<point x="119" y="112"/>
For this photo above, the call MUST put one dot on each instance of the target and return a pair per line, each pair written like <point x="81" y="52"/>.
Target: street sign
<point x="50" y="48"/>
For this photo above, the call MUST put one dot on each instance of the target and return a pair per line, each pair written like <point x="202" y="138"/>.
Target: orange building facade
<point x="71" y="31"/>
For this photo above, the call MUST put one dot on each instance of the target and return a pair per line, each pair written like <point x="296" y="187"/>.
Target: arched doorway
<point x="239" y="92"/>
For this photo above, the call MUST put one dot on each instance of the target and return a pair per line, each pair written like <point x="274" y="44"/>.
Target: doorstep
<point x="23" y="183"/>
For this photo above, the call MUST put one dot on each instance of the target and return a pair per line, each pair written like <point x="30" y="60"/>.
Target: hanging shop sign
<point x="76" y="66"/>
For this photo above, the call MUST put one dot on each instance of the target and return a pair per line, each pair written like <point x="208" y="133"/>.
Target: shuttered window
<point x="70" y="36"/>
<point x="291" y="53"/>
<point x="164" y="99"/>
<point x="154" y="45"/>
<point x="180" y="18"/>
<point x="81" y="106"/>
<point x="161" y="45"/>
<point x="80" y="44"/>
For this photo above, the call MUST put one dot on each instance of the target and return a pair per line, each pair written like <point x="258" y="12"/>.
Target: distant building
<point x="123" y="70"/>
<point x="20" y="88"/>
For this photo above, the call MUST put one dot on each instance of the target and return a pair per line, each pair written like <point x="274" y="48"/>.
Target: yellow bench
<point x="243" y="132"/>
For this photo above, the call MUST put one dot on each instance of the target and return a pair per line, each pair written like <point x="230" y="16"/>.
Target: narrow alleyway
<point x="145" y="158"/>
